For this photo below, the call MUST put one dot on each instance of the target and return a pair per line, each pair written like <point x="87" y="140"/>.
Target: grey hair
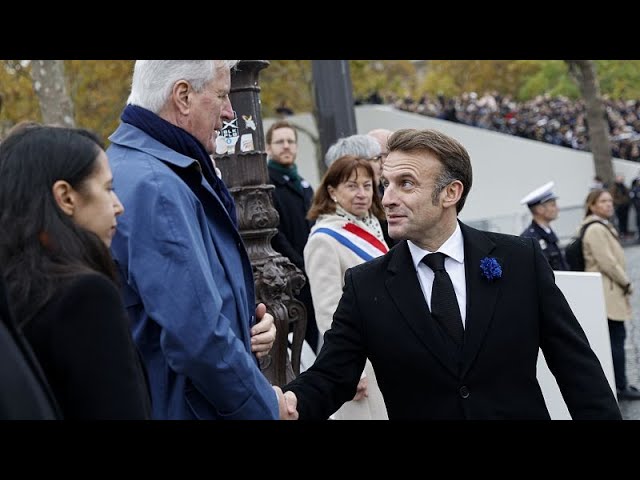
<point x="153" y="79"/>
<point x="363" y="146"/>
<point x="444" y="179"/>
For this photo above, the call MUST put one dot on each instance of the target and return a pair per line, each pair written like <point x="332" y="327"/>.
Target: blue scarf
<point x="183" y="142"/>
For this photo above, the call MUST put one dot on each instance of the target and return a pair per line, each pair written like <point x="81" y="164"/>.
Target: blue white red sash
<point x="356" y="239"/>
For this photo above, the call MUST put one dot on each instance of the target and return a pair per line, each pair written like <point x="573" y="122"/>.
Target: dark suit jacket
<point x="24" y="391"/>
<point x="383" y="316"/>
<point x="83" y="342"/>
<point x="293" y="228"/>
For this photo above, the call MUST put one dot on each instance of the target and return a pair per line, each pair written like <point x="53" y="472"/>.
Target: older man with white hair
<point x="187" y="279"/>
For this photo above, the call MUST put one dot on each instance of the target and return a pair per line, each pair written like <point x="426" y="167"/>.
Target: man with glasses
<point x="291" y="198"/>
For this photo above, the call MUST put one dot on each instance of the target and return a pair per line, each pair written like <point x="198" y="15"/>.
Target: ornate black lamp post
<point x="241" y="158"/>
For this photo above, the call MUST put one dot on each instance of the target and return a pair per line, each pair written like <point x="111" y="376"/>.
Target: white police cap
<point x="539" y="195"/>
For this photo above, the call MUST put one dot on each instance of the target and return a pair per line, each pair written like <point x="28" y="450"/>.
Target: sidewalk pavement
<point x="631" y="408"/>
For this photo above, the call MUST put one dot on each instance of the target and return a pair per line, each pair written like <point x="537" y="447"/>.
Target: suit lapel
<point x="482" y="293"/>
<point x="404" y="288"/>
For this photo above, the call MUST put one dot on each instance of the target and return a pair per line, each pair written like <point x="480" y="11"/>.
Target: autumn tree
<point x="49" y="83"/>
<point x="291" y="82"/>
<point x="584" y="73"/>
<point x="16" y="93"/>
<point x="100" y="89"/>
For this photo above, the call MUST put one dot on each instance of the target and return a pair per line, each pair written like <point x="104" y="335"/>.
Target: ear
<point x="181" y="96"/>
<point x="65" y="196"/>
<point x="452" y="193"/>
<point x="331" y="191"/>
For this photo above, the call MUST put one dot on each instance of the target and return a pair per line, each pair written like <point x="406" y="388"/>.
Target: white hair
<point x="153" y="80"/>
<point x="363" y="146"/>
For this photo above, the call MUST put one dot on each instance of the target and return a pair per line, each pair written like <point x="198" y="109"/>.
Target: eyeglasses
<point x="283" y="141"/>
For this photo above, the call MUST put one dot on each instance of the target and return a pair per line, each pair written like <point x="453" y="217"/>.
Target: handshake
<point x="287" y="404"/>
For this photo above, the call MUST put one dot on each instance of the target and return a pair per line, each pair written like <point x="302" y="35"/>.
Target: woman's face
<point x="96" y="204"/>
<point x="355" y="194"/>
<point x="603" y="206"/>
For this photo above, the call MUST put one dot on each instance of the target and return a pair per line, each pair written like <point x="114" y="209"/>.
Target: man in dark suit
<point x="292" y="199"/>
<point x="470" y="351"/>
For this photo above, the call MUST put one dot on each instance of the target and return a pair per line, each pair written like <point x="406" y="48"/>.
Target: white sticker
<point x="249" y="123"/>
<point x="246" y="142"/>
<point x="221" y="145"/>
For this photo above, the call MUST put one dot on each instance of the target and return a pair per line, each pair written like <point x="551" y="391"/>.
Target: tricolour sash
<point x="356" y="239"/>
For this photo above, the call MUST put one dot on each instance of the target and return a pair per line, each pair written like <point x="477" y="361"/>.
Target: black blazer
<point x="383" y="316"/>
<point x="83" y="341"/>
<point x="24" y="391"/>
<point x="293" y="228"/>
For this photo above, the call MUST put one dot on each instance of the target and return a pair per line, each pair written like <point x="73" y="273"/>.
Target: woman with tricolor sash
<point x="346" y="208"/>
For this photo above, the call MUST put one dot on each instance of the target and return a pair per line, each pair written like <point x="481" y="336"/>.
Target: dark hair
<point x="280" y="124"/>
<point x="454" y="158"/>
<point x="41" y="248"/>
<point x="338" y="172"/>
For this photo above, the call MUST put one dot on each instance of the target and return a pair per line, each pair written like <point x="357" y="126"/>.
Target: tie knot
<point x="435" y="261"/>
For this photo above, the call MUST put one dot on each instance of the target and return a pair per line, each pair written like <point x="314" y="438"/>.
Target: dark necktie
<point x="444" y="304"/>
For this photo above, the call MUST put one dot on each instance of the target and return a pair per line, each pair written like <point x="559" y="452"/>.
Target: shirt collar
<point x="453" y="248"/>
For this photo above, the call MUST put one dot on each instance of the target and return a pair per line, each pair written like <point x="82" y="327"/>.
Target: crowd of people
<point x="556" y="120"/>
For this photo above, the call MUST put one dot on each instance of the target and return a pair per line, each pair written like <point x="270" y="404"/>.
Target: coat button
<point x="464" y="392"/>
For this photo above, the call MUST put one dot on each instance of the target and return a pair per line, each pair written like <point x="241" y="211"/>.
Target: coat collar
<point x="404" y="288"/>
<point x="482" y="293"/>
<point x="129" y="136"/>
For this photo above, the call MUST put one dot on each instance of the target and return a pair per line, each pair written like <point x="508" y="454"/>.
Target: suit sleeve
<point x="182" y="291"/>
<point x="332" y="379"/>
<point x="576" y="367"/>
<point x="101" y="376"/>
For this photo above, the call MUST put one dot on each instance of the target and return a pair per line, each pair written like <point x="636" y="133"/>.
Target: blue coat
<point x="188" y="285"/>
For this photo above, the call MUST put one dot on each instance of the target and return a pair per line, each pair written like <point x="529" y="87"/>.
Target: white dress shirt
<point x="454" y="264"/>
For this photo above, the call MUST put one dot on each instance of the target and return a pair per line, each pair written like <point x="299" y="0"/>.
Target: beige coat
<point x="326" y="260"/>
<point x="603" y="253"/>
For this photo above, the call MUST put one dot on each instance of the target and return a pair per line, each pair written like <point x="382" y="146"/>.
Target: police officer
<point x="542" y="204"/>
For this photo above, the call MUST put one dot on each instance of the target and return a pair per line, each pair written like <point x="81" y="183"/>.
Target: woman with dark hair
<point x="58" y="215"/>
<point x="346" y="208"/>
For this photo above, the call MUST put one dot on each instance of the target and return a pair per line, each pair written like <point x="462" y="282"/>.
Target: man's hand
<point x="361" y="390"/>
<point x="287" y="404"/>
<point x="263" y="333"/>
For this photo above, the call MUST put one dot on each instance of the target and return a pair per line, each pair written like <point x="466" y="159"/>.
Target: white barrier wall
<point x="583" y="291"/>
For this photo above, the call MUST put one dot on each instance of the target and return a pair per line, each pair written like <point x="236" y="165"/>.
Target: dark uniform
<point x="549" y="245"/>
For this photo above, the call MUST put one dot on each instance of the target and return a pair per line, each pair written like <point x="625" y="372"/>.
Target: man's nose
<point x="227" y="112"/>
<point x="386" y="196"/>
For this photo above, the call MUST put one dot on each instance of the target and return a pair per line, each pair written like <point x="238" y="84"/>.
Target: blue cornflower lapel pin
<point x="490" y="268"/>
